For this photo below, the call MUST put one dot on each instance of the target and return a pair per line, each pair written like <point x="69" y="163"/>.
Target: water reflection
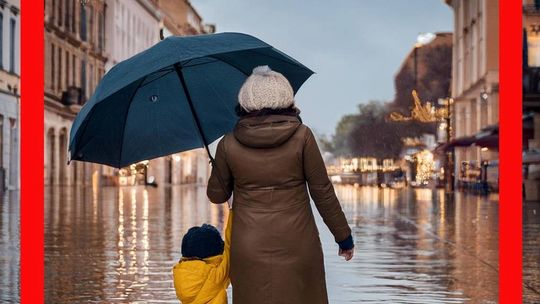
<point x="413" y="246"/>
<point x="531" y="252"/>
<point x="118" y="245"/>
<point x="9" y="247"/>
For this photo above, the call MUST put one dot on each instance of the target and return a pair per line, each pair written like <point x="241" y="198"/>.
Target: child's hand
<point x="347" y="254"/>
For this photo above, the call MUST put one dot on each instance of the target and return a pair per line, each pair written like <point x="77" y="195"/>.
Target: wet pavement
<point x="117" y="245"/>
<point x="531" y="252"/>
<point x="9" y="247"/>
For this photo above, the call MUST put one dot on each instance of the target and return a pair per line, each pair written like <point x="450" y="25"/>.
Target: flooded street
<point x="117" y="245"/>
<point x="531" y="252"/>
<point x="9" y="248"/>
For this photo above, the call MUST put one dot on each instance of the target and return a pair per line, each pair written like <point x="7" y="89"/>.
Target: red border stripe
<point x="32" y="141"/>
<point x="510" y="104"/>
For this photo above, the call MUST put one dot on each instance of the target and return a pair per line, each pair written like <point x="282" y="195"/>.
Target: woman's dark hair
<point x="290" y="111"/>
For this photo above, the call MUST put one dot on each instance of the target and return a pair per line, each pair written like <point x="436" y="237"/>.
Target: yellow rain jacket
<point x="204" y="281"/>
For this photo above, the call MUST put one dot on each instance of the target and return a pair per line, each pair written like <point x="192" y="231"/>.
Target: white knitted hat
<point x="265" y="88"/>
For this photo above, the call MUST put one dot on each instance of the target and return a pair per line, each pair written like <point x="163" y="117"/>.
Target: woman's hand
<point x="347" y="254"/>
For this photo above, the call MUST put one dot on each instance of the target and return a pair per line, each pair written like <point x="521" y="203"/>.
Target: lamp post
<point x="450" y="155"/>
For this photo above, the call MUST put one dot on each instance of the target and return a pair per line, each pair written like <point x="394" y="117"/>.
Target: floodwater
<point x="117" y="245"/>
<point x="9" y="247"/>
<point x="531" y="252"/>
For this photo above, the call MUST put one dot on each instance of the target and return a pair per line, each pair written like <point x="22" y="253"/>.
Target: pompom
<point x="262" y="70"/>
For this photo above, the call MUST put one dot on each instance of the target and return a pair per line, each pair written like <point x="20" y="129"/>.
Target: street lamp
<point x="450" y="155"/>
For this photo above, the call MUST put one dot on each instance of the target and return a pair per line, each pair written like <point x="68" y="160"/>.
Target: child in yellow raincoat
<point x="202" y="275"/>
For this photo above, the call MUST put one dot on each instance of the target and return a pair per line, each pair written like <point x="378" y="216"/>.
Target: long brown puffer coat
<point x="269" y="162"/>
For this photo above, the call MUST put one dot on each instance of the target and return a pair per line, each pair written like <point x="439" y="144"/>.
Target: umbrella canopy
<point x="178" y="95"/>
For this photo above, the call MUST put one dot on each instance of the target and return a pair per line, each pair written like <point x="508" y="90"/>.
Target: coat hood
<point x="191" y="280"/>
<point x="265" y="131"/>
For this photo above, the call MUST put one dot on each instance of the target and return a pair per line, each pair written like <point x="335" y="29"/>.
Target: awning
<point x="488" y="137"/>
<point x="531" y="158"/>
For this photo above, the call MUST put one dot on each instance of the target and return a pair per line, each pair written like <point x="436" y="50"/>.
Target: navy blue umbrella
<point x="178" y="95"/>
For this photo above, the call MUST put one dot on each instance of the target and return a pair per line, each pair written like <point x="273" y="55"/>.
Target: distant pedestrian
<point x="269" y="161"/>
<point x="202" y="275"/>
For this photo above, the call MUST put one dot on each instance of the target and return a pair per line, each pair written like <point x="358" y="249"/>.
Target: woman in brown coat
<point x="269" y="161"/>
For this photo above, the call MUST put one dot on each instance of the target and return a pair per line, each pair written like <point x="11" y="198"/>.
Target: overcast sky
<point x="354" y="46"/>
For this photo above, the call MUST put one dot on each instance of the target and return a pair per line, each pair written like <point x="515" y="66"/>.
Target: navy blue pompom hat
<point x="202" y="242"/>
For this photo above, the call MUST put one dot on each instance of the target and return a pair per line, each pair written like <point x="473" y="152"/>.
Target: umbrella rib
<point x="178" y="69"/>
<point x="279" y="59"/>
<point x="125" y="119"/>
<point x="83" y="129"/>
<point x="161" y="76"/>
<point x="197" y="64"/>
<point x="180" y="74"/>
<point x="234" y="66"/>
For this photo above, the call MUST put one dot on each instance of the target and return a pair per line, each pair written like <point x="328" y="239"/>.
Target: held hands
<point x="347" y="254"/>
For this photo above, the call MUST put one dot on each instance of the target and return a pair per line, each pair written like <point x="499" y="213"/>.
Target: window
<point x="101" y="28"/>
<point x="68" y="72"/>
<point x="83" y="77"/>
<point x="67" y="15"/>
<point x="1" y="140"/>
<point x="83" y="23"/>
<point x="60" y="12"/>
<point x="59" y="75"/>
<point x="52" y="66"/>
<point x="1" y="40"/>
<point x="53" y="10"/>
<point x="74" y="70"/>
<point x="12" y="46"/>
<point x="91" y="80"/>
<point x="13" y="166"/>
<point x="73" y="20"/>
<point x="90" y="25"/>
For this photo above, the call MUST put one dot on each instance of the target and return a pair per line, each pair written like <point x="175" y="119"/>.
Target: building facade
<point x="83" y="40"/>
<point x="9" y="93"/>
<point x="427" y="69"/>
<point x="475" y="83"/>
<point x="531" y="99"/>
<point x="180" y="18"/>
<point x="75" y="58"/>
<point x="132" y="26"/>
